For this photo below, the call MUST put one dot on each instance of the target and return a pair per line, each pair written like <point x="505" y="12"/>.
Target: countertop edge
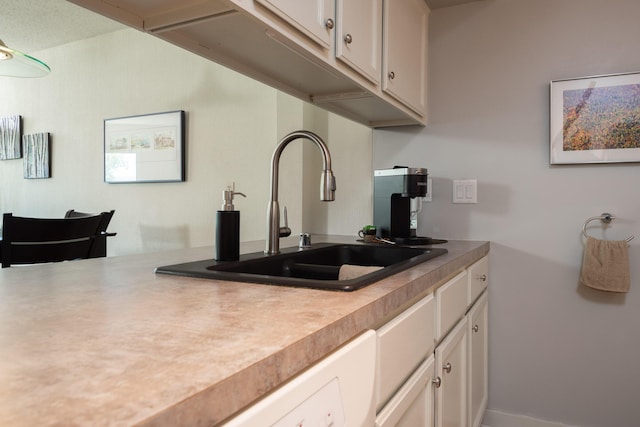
<point x="222" y="400"/>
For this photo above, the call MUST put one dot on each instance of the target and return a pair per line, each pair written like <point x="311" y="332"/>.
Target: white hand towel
<point x="605" y="265"/>
<point x="348" y="271"/>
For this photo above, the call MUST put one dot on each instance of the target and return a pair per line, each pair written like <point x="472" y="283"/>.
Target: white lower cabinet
<point x="452" y="378"/>
<point x="448" y="386"/>
<point x="451" y="303"/>
<point x="412" y="405"/>
<point x="403" y="343"/>
<point x="425" y="367"/>
<point x="404" y="367"/>
<point x="478" y="360"/>
<point x="478" y="276"/>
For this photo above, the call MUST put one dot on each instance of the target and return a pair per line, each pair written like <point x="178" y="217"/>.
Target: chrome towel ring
<point x="606" y="219"/>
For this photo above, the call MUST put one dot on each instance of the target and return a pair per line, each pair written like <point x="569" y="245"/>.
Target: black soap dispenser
<point x="228" y="228"/>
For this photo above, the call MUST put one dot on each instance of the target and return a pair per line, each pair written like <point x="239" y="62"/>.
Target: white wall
<point x="233" y="124"/>
<point x="558" y="351"/>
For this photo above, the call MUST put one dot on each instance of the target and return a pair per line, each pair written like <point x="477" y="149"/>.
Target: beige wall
<point x="558" y="351"/>
<point x="233" y="124"/>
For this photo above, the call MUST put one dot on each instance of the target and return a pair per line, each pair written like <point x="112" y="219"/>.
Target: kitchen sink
<point x="315" y="267"/>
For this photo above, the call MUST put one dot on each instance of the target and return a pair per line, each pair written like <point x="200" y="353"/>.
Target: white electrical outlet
<point x="465" y="191"/>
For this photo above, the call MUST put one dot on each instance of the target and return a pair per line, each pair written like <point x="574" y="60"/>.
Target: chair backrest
<point x="37" y="240"/>
<point x="106" y="217"/>
<point x="99" y="247"/>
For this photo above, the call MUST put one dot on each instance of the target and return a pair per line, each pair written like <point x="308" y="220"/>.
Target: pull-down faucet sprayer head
<point x="327" y="186"/>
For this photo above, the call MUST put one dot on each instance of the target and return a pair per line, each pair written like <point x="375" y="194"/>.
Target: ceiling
<point x="33" y="25"/>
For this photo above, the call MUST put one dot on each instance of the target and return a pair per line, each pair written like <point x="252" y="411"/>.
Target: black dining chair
<point x="38" y="240"/>
<point x="99" y="248"/>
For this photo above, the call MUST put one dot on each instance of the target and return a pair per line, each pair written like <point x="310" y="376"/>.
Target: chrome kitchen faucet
<point x="327" y="187"/>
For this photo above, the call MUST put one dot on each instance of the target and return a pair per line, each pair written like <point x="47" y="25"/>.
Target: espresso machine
<point x="393" y="190"/>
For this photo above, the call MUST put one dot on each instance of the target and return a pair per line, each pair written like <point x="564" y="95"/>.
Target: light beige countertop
<point x="106" y="341"/>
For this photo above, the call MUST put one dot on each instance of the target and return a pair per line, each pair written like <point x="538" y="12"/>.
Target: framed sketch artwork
<point x="146" y="148"/>
<point x="37" y="156"/>
<point x="595" y="119"/>
<point x="10" y="137"/>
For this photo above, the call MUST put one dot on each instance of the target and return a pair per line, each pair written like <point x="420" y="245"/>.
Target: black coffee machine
<point x="393" y="190"/>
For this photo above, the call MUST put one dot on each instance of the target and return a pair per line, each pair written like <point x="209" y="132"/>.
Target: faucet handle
<point x="285" y="231"/>
<point x="305" y="241"/>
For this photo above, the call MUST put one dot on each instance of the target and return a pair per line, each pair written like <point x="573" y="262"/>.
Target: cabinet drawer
<point x="478" y="279"/>
<point x="403" y="343"/>
<point x="451" y="303"/>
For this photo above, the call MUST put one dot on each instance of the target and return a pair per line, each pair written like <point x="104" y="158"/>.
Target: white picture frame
<point x="595" y="119"/>
<point x="145" y="148"/>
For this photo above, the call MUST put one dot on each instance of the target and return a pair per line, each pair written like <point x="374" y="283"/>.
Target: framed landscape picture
<point x="146" y="148"/>
<point x="595" y="119"/>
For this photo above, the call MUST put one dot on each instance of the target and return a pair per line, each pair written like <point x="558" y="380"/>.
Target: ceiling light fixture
<point x="17" y="64"/>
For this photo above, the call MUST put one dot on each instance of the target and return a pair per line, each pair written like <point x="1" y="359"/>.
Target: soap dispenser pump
<point x="228" y="227"/>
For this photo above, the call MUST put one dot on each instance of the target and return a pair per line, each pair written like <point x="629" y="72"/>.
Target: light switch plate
<point x="465" y="191"/>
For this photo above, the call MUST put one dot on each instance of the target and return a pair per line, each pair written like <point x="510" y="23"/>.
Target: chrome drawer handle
<point x="483" y="277"/>
<point x="329" y="24"/>
<point x="437" y="381"/>
<point x="476" y="328"/>
<point x="447" y="368"/>
<point x="348" y="39"/>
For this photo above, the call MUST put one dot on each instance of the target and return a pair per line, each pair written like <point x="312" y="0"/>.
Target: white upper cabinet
<point x="359" y="36"/>
<point x="314" y="18"/>
<point x="355" y="26"/>
<point x="336" y="54"/>
<point x="405" y="52"/>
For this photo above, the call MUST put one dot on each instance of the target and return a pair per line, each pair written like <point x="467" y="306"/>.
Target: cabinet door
<point x="451" y="369"/>
<point x="308" y="16"/>
<point x="478" y="360"/>
<point x="412" y="405"/>
<point x="359" y="36"/>
<point x="405" y="26"/>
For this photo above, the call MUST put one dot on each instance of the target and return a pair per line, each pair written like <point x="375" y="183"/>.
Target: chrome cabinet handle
<point x="348" y="39"/>
<point x="475" y="328"/>
<point x="447" y="368"/>
<point x="329" y="24"/>
<point x="392" y="75"/>
<point x="437" y="381"/>
<point x="483" y="277"/>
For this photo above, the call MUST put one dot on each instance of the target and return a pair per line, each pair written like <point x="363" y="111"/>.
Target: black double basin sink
<point x="315" y="267"/>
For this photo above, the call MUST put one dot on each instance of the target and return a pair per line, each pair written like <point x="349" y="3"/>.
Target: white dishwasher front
<point x="338" y="391"/>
